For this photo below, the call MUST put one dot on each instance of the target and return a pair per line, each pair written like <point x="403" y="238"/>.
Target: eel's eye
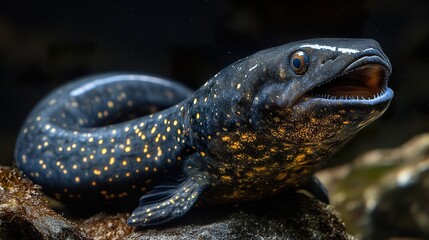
<point x="299" y="62"/>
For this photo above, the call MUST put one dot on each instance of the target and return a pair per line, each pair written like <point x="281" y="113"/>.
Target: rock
<point x="295" y="216"/>
<point x="25" y="214"/>
<point x="384" y="193"/>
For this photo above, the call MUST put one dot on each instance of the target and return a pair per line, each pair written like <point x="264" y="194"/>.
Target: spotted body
<point x="262" y="125"/>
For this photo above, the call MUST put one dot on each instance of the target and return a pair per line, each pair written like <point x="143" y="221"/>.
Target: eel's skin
<point x="260" y="126"/>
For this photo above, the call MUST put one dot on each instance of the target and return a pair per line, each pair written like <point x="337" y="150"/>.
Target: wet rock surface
<point x="384" y="194"/>
<point x="285" y="217"/>
<point x="24" y="214"/>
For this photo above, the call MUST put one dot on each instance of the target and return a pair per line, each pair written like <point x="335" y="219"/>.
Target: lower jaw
<point x="383" y="98"/>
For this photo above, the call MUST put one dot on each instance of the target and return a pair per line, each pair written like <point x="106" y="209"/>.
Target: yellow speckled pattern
<point x="260" y="126"/>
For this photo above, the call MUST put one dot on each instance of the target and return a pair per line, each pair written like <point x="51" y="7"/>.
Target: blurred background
<point x="45" y="44"/>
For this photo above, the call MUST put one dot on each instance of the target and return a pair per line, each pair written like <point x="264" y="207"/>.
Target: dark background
<point x="45" y="44"/>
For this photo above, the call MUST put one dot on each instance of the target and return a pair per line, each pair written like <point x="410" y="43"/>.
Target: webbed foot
<point x="168" y="202"/>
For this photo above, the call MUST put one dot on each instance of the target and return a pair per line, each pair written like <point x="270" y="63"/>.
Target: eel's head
<point x="322" y="89"/>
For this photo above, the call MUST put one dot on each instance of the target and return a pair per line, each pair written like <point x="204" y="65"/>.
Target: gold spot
<point x="106" y="168"/>
<point x="308" y="150"/>
<point x="203" y="154"/>
<point x="97" y="172"/>
<point x="195" y="101"/>
<point x="148" y="155"/>
<point x="281" y="176"/>
<point x="124" y="163"/>
<point x="300" y="157"/>
<point x="127" y="129"/>
<point x="235" y="145"/>
<point x="260" y="169"/>
<point x="100" y="141"/>
<point x="153" y="130"/>
<point x="112" y="161"/>
<point x="127" y="174"/>
<point x="174" y="122"/>
<point x="138" y="159"/>
<point x="103" y="151"/>
<point x="74" y="166"/>
<point x="77" y="179"/>
<point x="179" y="131"/>
<point x="110" y="104"/>
<point x="168" y="129"/>
<point x="197" y="116"/>
<point x="82" y="149"/>
<point x="225" y="138"/>
<point x="226" y="178"/>
<point x="346" y="122"/>
<point x="65" y="171"/>
<point x="91" y="139"/>
<point x="154" y="169"/>
<point x="91" y="156"/>
<point x="93" y="183"/>
<point x="238" y="85"/>
<point x="146" y="169"/>
<point x="127" y="149"/>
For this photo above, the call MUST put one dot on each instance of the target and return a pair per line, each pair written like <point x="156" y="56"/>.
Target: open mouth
<point x="365" y="82"/>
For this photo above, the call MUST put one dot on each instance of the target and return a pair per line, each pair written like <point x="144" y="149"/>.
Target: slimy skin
<point x="260" y="126"/>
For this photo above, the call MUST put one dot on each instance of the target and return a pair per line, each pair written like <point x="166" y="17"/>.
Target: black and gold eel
<point x="260" y="126"/>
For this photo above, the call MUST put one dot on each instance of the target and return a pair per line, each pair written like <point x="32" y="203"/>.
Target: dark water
<point x="45" y="44"/>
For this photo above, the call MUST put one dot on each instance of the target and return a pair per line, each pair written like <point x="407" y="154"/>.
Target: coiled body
<point x="264" y="124"/>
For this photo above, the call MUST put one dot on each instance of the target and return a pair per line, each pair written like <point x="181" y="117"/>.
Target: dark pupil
<point x="296" y="63"/>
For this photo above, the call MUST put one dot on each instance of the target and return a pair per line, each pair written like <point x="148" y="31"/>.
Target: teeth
<point x="345" y="97"/>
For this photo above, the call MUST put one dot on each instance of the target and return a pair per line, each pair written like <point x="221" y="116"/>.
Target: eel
<point x="259" y="127"/>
